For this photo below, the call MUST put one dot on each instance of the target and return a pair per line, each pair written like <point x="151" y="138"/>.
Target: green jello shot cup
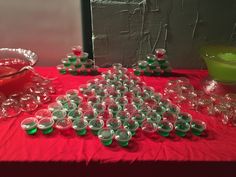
<point x="164" y="128"/>
<point x="181" y="128"/>
<point x="185" y="116"/>
<point x="59" y="114"/>
<point x="66" y="62"/>
<point x="46" y="125"/>
<point x="79" y="126"/>
<point x="113" y="123"/>
<point x="131" y="125"/>
<point x="72" y="58"/>
<point x="84" y="57"/>
<point x="114" y="109"/>
<point x="95" y="125"/>
<point x="197" y="127"/>
<point x="123" y="137"/>
<point x="106" y="135"/>
<point x="123" y="115"/>
<point x="30" y="125"/>
<point x="75" y="115"/>
<point x="150" y="58"/>
<point x="142" y="65"/>
<point x="61" y="69"/>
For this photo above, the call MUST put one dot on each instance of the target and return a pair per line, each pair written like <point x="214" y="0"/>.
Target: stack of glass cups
<point x="77" y="62"/>
<point x="153" y="65"/>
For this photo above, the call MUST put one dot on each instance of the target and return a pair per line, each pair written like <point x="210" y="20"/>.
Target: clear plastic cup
<point x="30" y="125"/>
<point x="197" y="127"/>
<point x="174" y="109"/>
<point x="153" y="117"/>
<point x="117" y="66"/>
<point x="181" y="127"/>
<point x="54" y="106"/>
<point x="74" y="115"/>
<point x="164" y="128"/>
<point x="99" y="107"/>
<point x="149" y="127"/>
<point x="185" y="116"/>
<point x="113" y="123"/>
<point x="84" y="57"/>
<point x="142" y="65"/>
<point x="114" y="109"/>
<point x="11" y="108"/>
<point x="89" y="115"/>
<point x="80" y="126"/>
<point x="72" y="58"/>
<point x="77" y="50"/>
<point x="123" y="137"/>
<point x="93" y="100"/>
<point x="63" y="124"/>
<point x="28" y="103"/>
<point x="169" y="116"/>
<point x="95" y="125"/>
<point x="65" y="62"/>
<point x="61" y="69"/>
<point x="46" y="125"/>
<point x="139" y="117"/>
<point x="73" y="70"/>
<point x="122" y="101"/>
<point x="106" y="135"/>
<point x="59" y="114"/>
<point x="43" y="113"/>
<point x="42" y="95"/>
<point x="123" y="115"/>
<point x="131" y="125"/>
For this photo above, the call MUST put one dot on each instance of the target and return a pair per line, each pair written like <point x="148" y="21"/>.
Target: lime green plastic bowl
<point x="221" y="62"/>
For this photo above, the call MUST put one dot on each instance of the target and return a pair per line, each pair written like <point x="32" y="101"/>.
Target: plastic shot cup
<point x="43" y="113"/>
<point x="106" y="136"/>
<point x="197" y="127"/>
<point x="113" y="123"/>
<point x="28" y="103"/>
<point x="150" y="58"/>
<point x="84" y="57"/>
<point x="99" y="107"/>
<point x="61" y="69"/>
<point x="89" y="115"/>
<point x="59" y="115"/>
<point x="153" y="117"/>
<point x="123" y="115"/>
<point x="181" y="127"/>
<point x="77" y="50"/>
<point x="131" y="125"/>
<point x="46" y="125"/>
<point x="174" y="109"/>
<point x="72" y="58"/>
<point x="164" y="128"/>
<point x="66" y="62"/>
<point x="54" y="106"/>
<point x="185" y="116"/>
<point x="139" y="117"/>
<point x="75" y="115"/>
<point x="63" y="124"/>
<point x="95" y="125"/>
<point x="11" y="108"/>
<point x="30" y="125"/>
<point x="142" y="65"/>
<point x="123" y="137"/>
<point x="117" y="66"/>
<point x="149" y="127"/>
<point x="80" y="126"/>
<point x="114" y="109"/>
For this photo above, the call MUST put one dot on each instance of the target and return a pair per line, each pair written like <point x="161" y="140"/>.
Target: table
<point x="213" y="154"/>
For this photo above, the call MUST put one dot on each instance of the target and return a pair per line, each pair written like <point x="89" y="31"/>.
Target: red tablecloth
<point x="217" y="148"/>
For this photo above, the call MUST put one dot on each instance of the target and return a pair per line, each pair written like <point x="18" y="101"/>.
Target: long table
<point x="213" y="154"/>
